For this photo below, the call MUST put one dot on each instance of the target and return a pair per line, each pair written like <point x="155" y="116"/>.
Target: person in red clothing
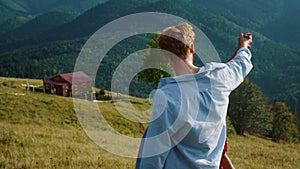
<point x="225" y="161"/>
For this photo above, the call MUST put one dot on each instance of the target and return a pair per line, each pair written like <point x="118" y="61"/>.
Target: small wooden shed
<point x="70" y="84"/>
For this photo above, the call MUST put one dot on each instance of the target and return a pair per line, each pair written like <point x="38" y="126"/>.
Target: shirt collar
<point x="188" y="77"/>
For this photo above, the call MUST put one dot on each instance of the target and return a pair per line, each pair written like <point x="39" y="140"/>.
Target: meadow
<point x="43" y="131"/>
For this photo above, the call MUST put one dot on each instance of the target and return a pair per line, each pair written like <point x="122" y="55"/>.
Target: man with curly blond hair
<point x="188" y="123"/>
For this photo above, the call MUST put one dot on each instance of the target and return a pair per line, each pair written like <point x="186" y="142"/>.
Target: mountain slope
<point x="278" y="19"/>
<point x="93" y="19"/>
<point x="75" y="6"/>
<point x="35" y="7"/>
<point x="13" y="23"/>
<point x="275" y="64"/>
<point x="286" y="28"/>
<point x="10" y="9"/>
<point x="246" y="13"/>
<point x="38" y="25"/>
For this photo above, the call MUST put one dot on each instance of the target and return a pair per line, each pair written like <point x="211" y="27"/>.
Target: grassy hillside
<point x="42" y="131"/>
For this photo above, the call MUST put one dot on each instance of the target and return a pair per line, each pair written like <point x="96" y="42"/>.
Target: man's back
<point x="190" y="111"/>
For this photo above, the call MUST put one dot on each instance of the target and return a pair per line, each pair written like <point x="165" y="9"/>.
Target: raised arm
<point x="244" y="40"/>
<point x="239" y="65"/>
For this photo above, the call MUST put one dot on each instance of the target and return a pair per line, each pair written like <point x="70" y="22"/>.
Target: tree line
<point x="249" y="112"/>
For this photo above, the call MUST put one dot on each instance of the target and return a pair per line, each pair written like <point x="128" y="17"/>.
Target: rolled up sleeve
<point x="238" y="68"/>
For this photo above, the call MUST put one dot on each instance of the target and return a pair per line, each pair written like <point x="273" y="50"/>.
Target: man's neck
<point x="186" y="66"/>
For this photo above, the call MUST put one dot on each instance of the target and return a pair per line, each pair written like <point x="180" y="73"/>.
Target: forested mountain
<point x="277" y="19"/>
<point x="33" y="28"/>
<point x="286" y="28"/>
<point x="12" y="10"/>
<point x="13" y="23"/>
<point x="276" y="58"/>
<point x="93" y="19"/>
<point x="246" y="13"/>
<point x="275" y="49"/>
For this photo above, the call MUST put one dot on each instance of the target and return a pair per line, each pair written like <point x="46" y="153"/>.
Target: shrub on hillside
<point x="284" y="123"/>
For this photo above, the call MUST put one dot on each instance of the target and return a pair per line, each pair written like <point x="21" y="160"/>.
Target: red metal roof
<point x="76" y="77"/>
<point x="71" y="78"/>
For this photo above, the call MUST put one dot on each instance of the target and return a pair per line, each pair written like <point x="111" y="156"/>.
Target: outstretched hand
<point x="245" y="40"/>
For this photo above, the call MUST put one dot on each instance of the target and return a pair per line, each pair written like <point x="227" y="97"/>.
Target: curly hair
<point x="177" y="39"/>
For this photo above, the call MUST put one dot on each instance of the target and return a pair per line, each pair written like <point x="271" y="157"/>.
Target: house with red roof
<point x="70" y="84"/>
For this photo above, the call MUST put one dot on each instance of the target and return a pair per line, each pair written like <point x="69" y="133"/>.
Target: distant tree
<point x="230" y="127"/>
<point x="102" y="92"/>
<point x="284" y="123"/>
<point x="154" y="58"/>
<point x="248" y="110"/>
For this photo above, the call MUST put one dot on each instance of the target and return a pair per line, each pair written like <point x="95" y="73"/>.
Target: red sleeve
<point x="225" y="147"/>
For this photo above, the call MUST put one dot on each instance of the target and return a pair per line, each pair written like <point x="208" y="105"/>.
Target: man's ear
<point x="192" y="49"/>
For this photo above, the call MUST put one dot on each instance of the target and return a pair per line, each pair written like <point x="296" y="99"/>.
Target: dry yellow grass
<point x="252" y="152"/>
<point x="35" y="146"/>
<point x="42" y="131"/>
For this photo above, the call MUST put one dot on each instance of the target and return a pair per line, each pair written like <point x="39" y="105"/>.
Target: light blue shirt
<point x="188" y="124"/>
